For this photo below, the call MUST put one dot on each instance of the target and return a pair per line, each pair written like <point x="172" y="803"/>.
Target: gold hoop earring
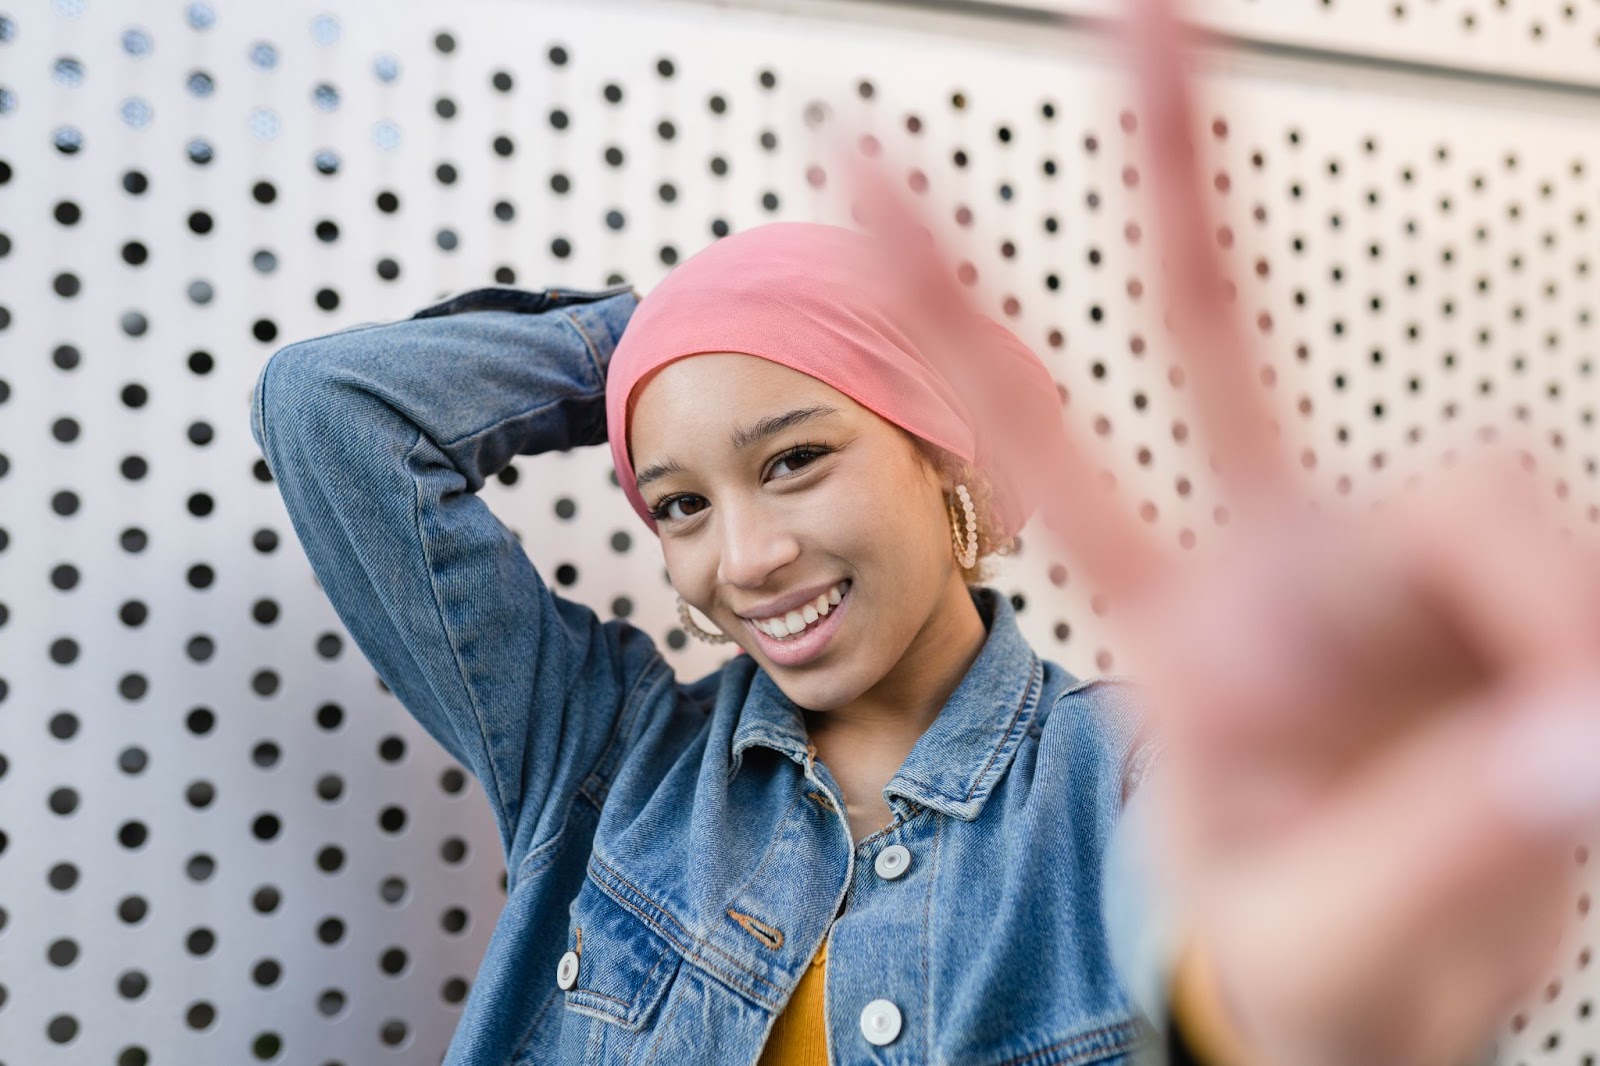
<point x="966" y="554"/>
<point x="691" y="627"/>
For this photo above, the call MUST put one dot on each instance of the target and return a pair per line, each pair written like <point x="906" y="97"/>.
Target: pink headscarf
<point x="822" y="300"/>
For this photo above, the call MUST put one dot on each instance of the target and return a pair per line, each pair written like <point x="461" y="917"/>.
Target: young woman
<point x="890" y="799"/>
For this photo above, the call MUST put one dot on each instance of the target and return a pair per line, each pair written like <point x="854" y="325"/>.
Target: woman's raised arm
<point x="379" y="438"/>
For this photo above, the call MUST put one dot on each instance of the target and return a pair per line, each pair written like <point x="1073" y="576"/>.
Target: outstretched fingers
<point x="1254" y="466"/>
<point x="1488" y="550"/>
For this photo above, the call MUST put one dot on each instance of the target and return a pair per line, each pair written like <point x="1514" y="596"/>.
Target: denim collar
<point x="961" y="756"/>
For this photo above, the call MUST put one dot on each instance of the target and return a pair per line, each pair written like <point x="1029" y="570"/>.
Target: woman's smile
<point x="813" y="638"/>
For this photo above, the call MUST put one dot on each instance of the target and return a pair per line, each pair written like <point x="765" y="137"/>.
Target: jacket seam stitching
<point x="624" y="723"/>
<point x="756" y="874"/>
<point x="700" y="959"/>
<point x="454" y="442"/>
<point x="661" y="1029"/>
<point x="897" y="821"/>
<point x="1079" y="1056"/>
<point x="1011" y="727"/>
<point x="683" y="934"/>
<point x="658" y="926"/>
<point x="667" y="950"/>
<point x="927" y="921"/>
<point x="455" y="654"/>
<point x="588" y="341"/>
<point x="533" y="1026"/>
<point x="546" y="851"/>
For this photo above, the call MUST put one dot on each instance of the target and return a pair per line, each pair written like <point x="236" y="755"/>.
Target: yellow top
<point x="1201" y="1014"/>
<point x="799" y="1034"/>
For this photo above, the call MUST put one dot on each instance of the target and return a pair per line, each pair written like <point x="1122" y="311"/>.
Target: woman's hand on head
<point x="1381" y="725"/>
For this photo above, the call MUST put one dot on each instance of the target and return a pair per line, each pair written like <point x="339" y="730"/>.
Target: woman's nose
<point x="754" y="544"/>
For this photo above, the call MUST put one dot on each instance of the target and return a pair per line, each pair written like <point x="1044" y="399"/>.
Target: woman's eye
<point x="810" y="455"/>
<point x="663" y="510"/>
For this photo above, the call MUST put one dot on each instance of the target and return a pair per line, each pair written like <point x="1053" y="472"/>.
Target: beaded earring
<point x="967" y="554"/>
<point x="693" y="629"/>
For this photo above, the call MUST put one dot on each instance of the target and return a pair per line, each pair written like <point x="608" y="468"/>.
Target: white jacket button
<point x="567" y="970"/>
<point x="880" y="1022"/>
<point x="892" y="861"/>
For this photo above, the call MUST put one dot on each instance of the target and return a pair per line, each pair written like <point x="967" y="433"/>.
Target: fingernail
<point x="1547" y="771"/>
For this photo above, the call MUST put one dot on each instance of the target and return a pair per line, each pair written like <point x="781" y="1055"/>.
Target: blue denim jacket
<point x="675" y="852"/>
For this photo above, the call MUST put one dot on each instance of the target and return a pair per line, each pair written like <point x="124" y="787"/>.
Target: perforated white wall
<point x="1556" y="42"/>
<point x="220" y="840"/>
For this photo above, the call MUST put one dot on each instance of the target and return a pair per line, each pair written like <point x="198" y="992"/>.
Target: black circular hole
<point x="200" y="867"/>
<point x="62" y="876"/>
<point x="133" y="834"/>
<point x="200" y="941"/>
<point x="133" y="760"/>
<point x="63" y="801"/>
<point x="200" y="1015"/>
<point x="63" y="952"/>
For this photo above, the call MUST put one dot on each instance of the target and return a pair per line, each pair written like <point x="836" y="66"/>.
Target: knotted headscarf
<point x="824" y="300"/>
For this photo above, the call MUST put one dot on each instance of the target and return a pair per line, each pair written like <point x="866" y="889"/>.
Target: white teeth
<point x="796" y="621"/>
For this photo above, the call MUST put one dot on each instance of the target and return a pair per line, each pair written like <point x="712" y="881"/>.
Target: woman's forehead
<point x="723" y="386"/>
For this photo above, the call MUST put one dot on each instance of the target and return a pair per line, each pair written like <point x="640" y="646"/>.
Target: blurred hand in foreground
<point x="1381" y="726"/>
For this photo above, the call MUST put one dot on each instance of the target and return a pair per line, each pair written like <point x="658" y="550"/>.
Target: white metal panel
<point x="1540" y="40"/>
<point x="1466" y="214"/>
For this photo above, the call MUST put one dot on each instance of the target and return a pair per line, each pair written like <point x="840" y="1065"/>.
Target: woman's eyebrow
<point x="766" y="427"/>
<point x="743" y="437"/>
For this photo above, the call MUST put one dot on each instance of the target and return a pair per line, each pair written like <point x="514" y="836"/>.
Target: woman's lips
<point x="808" y="644"/>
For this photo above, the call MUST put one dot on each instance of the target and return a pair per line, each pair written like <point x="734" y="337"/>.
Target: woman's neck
<point x="865" y="741"/>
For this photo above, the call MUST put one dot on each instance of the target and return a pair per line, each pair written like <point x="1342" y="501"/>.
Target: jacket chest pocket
<point x="623" y="966"/>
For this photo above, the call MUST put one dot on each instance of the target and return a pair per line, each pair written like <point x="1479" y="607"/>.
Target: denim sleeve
<point x="1142" y="926"/>
<point x="379" y="438"/>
